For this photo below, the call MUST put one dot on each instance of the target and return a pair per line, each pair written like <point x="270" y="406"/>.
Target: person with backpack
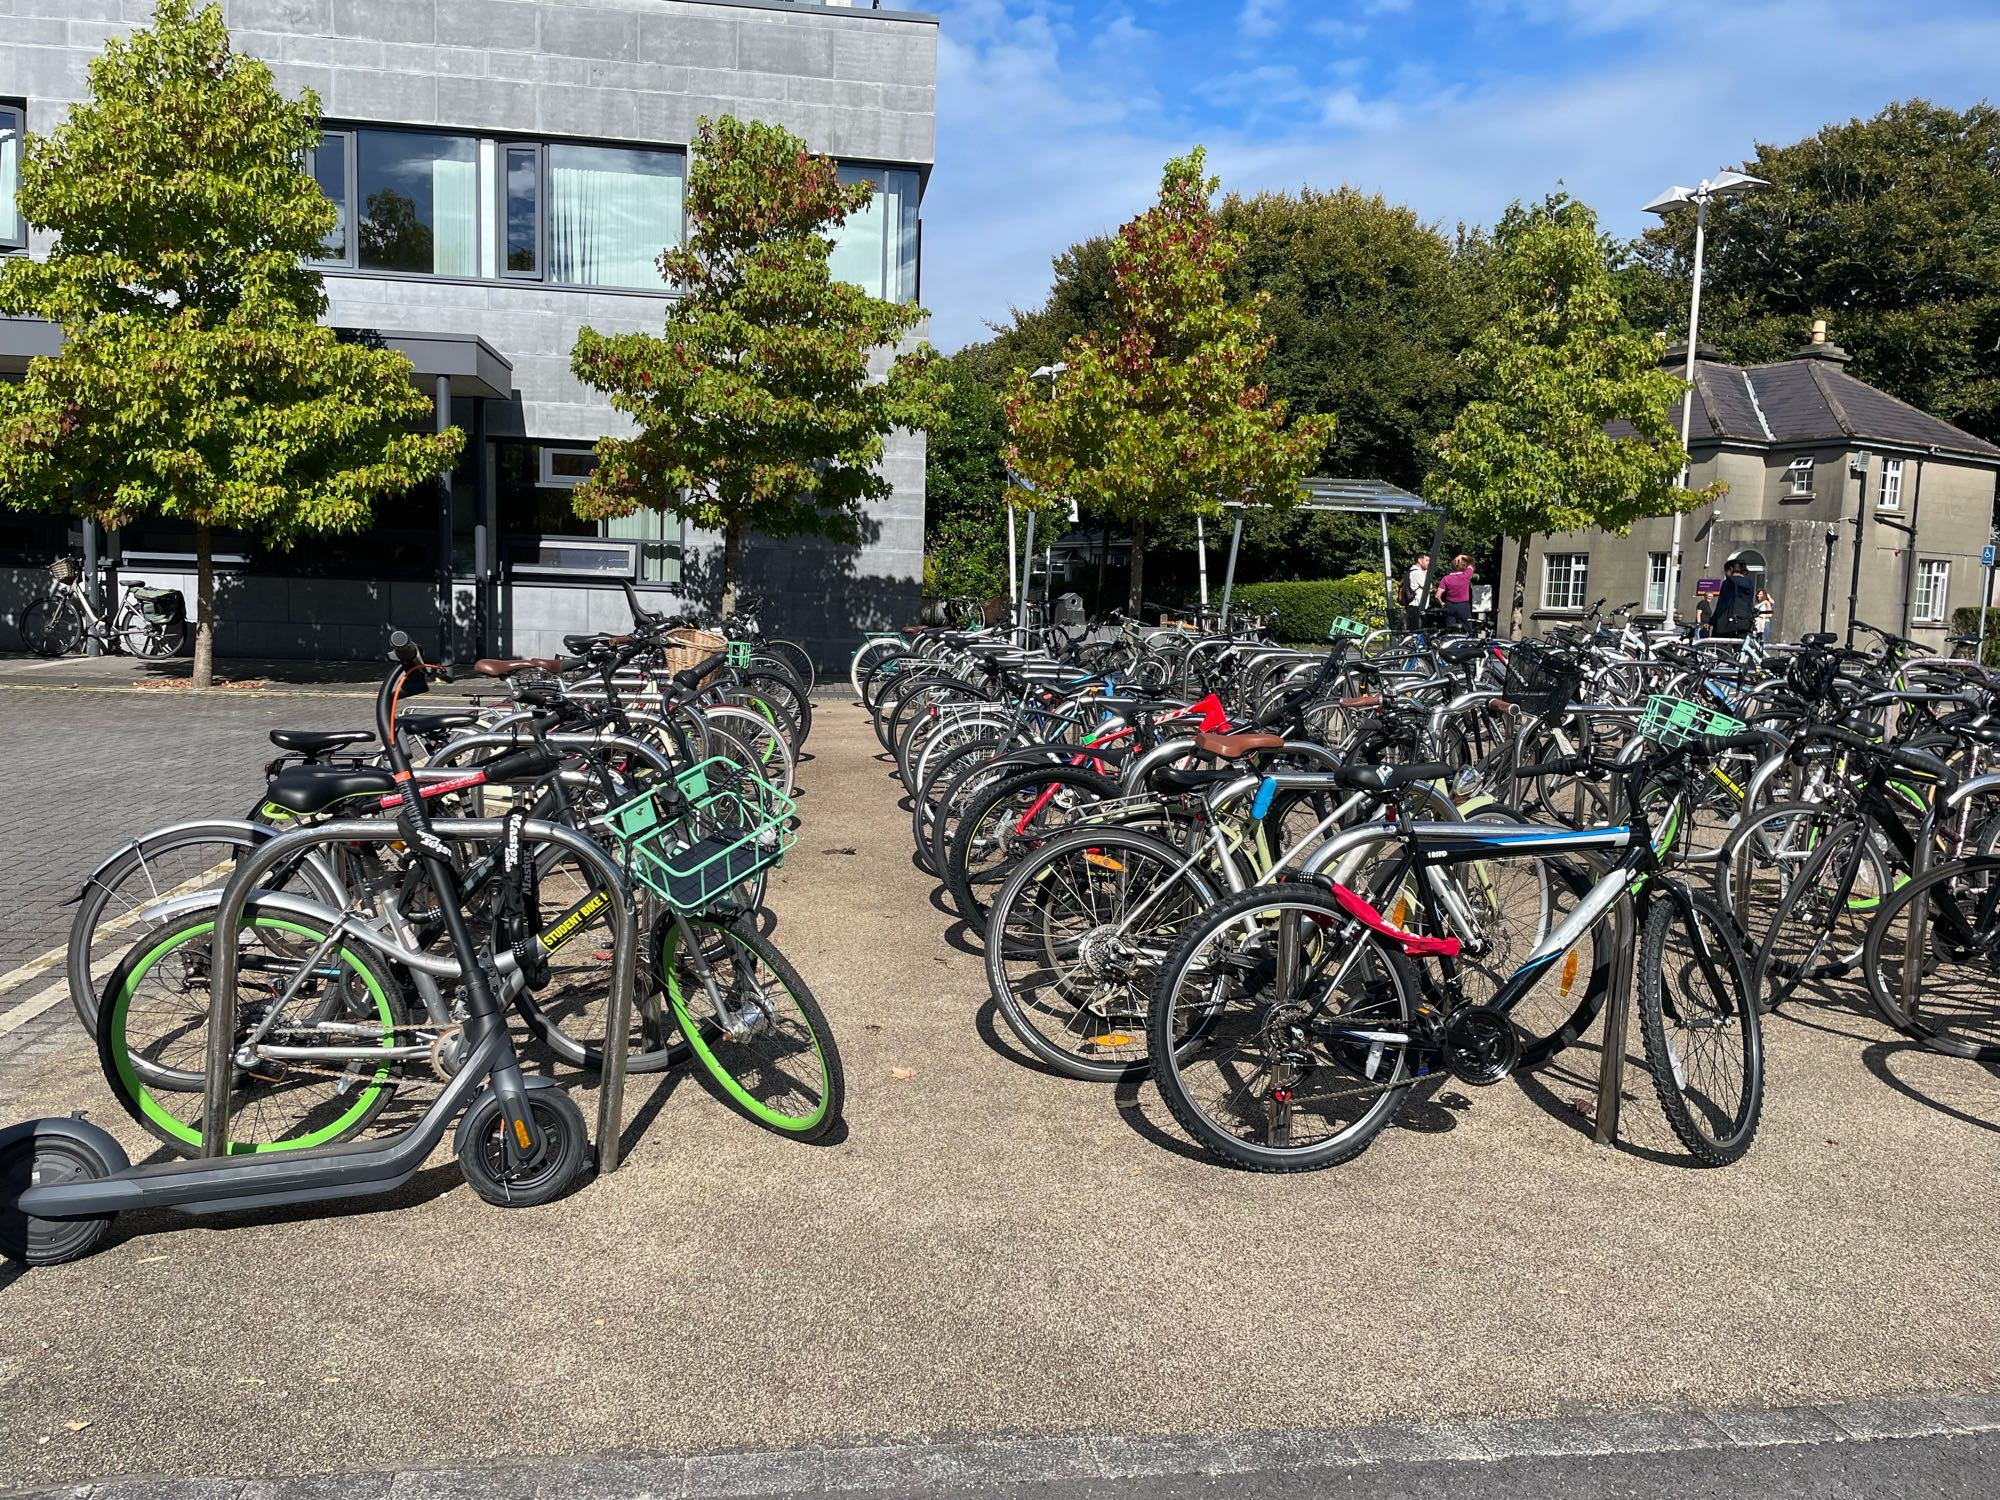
<point x="1414" y="586"/>
<point x="1736" y="606"/>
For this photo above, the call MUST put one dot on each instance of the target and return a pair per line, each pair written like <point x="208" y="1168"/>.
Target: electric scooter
<point x="520" y="1140"/>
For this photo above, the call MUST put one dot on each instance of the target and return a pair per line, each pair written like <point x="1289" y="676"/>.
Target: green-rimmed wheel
<point x="774" y="1059"/>
<point x="155" y="1009"/>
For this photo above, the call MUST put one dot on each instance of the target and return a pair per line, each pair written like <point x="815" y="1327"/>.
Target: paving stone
<point x="319" y="1487"/>
<point x="1123" y="1458"/>
<point x="1973" y="1413"/>
<point x="500" y="1483"/>
<point x="929" y="1465"/>
<point x="1418" y="1441"/>
<point x="1304" y="1448"/>
<point x="168" y="1489"/>
<point x="755" y="1473"/>
<point x="1658" y="1431"/>
<point x="1897" y="1416"/>
<point x="616" y="1479"/>
<point x="1778" y="1424"/>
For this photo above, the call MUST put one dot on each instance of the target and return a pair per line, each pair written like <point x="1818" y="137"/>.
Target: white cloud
<point x="1043" y="141"/>
<point x="1260" y="18"/>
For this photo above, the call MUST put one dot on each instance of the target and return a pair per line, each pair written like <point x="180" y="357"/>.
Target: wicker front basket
<point x="688" y="649"/>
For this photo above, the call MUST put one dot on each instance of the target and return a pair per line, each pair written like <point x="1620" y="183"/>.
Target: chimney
<point x="1822" y="348"/>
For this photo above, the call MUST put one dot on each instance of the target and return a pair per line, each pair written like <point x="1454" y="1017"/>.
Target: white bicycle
<point x="147" y="622"/>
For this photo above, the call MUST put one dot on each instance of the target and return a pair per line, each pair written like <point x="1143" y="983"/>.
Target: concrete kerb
<point x="975" y="1465"/>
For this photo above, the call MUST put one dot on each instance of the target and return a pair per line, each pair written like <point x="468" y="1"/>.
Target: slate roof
<point x="1810" y="400"/>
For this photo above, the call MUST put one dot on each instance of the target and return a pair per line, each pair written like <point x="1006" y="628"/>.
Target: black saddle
<point x="1387" y="778"/>
<point x="318" y="741"/>
<point x="434" y="723"/>
<point x="311" y="789"/>
<point x="1169" y="781"/>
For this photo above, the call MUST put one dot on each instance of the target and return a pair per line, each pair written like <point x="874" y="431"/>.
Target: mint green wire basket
<point x="697" y="842"/>
<point x="1345" y="629"/>
<point x="1672" y="722"/>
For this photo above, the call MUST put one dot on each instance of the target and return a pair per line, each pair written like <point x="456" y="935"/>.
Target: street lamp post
<point x="1724" y="184"/>
<point x="1025" y="589"/>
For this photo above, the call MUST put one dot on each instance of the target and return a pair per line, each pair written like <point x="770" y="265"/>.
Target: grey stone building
<point x="1833" y="487"/>
<point x="506" y="172"/>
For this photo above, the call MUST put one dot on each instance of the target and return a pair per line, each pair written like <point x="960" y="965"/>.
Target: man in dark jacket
<point x="1736" y="605"/>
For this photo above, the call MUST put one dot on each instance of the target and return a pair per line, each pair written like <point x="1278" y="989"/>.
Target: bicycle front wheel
<point x="1282" y="1031"/>
<point x="1933" y="959"/>
<point x="52" y="626"/>
<point x="772" y="1053"/>
<point x="1703" y="1044"/>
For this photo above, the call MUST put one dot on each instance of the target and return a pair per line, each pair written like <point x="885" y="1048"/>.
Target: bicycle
<point x="147" y="622"/>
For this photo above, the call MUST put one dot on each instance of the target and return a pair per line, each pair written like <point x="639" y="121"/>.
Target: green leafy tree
<point x="195" y="380"/>
<point x="756" y="409"/>
<point x="1887" y="227"/>
<point x="966" y="490"/>
<point x="1166" y="416"/>
<point x="1553" y="367"/>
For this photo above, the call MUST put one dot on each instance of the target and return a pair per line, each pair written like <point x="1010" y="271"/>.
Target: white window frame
<point x="1575" y="576"/>
<point x="1801" y="471"/>
<point x="1890" y="496"/>
<point x="1658" y="565"/>
<point x="1933" y="591"/>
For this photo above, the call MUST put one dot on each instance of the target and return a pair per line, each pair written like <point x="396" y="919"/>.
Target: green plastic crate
<point x="1672" y="722"/>
<point x="1344" y="629"/>
<point x="737" y="653"/>
<point x="718" y="827"/>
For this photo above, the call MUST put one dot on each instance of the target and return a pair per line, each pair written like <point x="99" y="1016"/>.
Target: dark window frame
<point x="19" y="109"/>
<point x="504" y="231"/>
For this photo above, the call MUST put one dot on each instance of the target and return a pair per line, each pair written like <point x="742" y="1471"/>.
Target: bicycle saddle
<point x="318" y="741"/>
<point x="432" y="723"/>
<point x="1170" y="781"/>
<point x="583" y="645"/>
<point x="1236" y="746"/>
<point x="507" y="666"/>
<point x="311" y="789"/>
<point x="1387" y="778"/>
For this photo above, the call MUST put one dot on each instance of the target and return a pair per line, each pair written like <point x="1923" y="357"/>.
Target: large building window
<point x="408" y="201"/>
<point x="13" y="126"/>
<point x="876" y="249"/>
<point x="537" y="514"/>
<point x="1933" y="583"/>
<point x="1656" y="583"/>
<point x="1565" y="579"/>
<point x="611" y="211"/>
<point x="1892" y="484"/>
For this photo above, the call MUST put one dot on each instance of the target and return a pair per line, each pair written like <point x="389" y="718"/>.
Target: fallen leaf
<point x="74" y="1426"/>
<point x="843" y="850"/>
<point x="903" y="1074"/>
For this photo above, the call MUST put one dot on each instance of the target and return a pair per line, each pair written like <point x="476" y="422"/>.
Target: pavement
<point x="992" y="1255"/>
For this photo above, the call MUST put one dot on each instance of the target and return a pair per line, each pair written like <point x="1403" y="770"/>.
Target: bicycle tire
<point x="52" y="626"/>
<point x="867" y="656"/>
<point x="1046" y="794"/>
<point x="744" y="1074"/>
<point x="151" y="640"/>
<point x="1181" y="1033"/>
<point x="1958" y="1019"/>
<point x="794" y="658"/>
<point x="1692" y="985"/>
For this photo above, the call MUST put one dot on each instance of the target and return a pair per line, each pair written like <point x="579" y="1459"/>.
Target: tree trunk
<point x="202" y="674"/>
<point x="1135" y="601"/>
<point x="732" y="558"/>
<point x="1520" y="590"/>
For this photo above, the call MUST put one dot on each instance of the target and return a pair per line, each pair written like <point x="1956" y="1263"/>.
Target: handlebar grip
<point x="1721" y="744"/>
<point x="1919" y="763"/>
<point x="1562" y="765"/>
<point x="521" y="765"/>
<point x="701" y="671"/>
<point x="404" y="649"/>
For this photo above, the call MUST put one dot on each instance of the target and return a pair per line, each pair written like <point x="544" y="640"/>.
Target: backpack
<point x="1734" y="611"/>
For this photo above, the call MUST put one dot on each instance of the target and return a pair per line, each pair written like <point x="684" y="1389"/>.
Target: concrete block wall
<point x="858" y="84"/>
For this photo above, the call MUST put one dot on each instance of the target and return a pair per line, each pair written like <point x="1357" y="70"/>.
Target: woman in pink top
<point x="1455" y="592"/>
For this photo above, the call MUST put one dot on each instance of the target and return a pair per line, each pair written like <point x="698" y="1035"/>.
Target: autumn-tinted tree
<point x="1887" y="227"/>
<point x="756" y="407"/>
<point x="1553" y="368"/>
<point x="1167" y="415"/>
<point x="195" y="380"/>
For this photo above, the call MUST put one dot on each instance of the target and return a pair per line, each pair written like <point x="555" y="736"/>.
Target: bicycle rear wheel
<point x="1703" y="1043"/>
<point x="1281" y="1031"/>
<point x="1933" y="959"/>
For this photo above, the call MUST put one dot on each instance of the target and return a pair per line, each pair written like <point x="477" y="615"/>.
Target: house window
<point x="537" y="513"/>
<point x="611" y="211"/>
<point x="1656" y="583"/>
<point x="407" y="201"/>
<point x="1565" y="579"/>
<point x="1801" y="471"/>
<point x="1933" y="582"/>
<point x="1892" y="484"/>
<point x="13" y="127"/>
<point x="521" y="233"/>
<point x="876" y="249"/>
<point x="329" y="169"/>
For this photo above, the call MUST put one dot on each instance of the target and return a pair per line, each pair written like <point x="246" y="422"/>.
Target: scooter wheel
<point x="559" y="1160"/>
<point x="42" y="1161"/>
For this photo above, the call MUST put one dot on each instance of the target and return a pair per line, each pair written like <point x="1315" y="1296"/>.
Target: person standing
<point x="1414" y="587"/>
<point x="1736" y="606"/>
<point x="1455" y="594"/>
<point x="1767" y="608"/>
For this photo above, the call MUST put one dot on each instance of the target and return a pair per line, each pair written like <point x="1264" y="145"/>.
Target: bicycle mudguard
<point x="1367" y="916"/>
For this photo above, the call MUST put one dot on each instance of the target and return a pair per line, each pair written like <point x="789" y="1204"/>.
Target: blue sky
<point x="1054" y="116"/>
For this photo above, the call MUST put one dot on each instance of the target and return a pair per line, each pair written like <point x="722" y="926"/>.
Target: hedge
<point x="1966" y="622"/>
<point x="1306" y="607"/>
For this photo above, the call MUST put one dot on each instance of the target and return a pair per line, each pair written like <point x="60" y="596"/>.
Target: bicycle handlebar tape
<point x="1267" y="792"/>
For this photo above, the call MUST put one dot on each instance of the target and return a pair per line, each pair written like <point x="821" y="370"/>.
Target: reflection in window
<point x="13" y="232"/>
<point x="876" y="248"/>
<point x="419" y="197"/>
<point x="537" y="493"/>
<point x="611" y="212"/>
<point x="329" y="169"/>
<point x="524" y="211"/>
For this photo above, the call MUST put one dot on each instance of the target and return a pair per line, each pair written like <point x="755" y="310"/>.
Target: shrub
<point x="1305" y="608"/>
<point x="1966" y="622"/>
